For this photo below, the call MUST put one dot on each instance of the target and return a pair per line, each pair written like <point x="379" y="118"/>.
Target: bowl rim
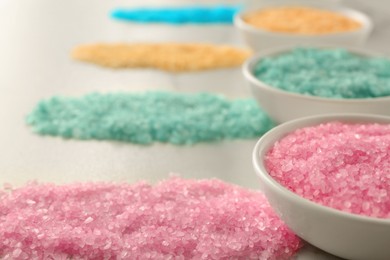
<point x="247" y="70"/>
<point x="356" y="15"/>
<point x="261" y="172"/>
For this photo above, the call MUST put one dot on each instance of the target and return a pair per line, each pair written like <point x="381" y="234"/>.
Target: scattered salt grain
<point x="144" y="118"/>
<point x="7" y="186"/>
<point x="332" y="167"/>
<point x="230" y="222"/>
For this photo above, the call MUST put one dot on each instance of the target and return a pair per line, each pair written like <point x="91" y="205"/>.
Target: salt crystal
<point x="89" y="240"/>
<point x="30" y="202"/>
<point x="97" y="232"/>
<point x="16" y="252"/>
<point x="365" y="206"/>
<point x="88" y="220"/>
<point x="347" y="204"/>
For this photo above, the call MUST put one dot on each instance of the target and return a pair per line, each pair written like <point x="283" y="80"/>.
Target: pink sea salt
<point x="175" y="219"/>
<point x="343" y="166"/>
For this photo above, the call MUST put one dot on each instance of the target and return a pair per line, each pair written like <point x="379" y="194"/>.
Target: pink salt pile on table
<point x="343" y="166"/>
<point x="175" y="219"/>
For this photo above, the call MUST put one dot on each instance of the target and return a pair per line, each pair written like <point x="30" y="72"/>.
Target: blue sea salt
<point x="148" y="117"/>
<point x="328" y="73"/>
<point x="220" y="14"/>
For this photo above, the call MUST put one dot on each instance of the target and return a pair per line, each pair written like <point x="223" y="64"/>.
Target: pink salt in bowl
<point x="347" y="235"/>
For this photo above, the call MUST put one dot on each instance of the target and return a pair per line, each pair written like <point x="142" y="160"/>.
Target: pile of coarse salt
<point x="152" y="116"/>
<point x="175" y="219"/>
<point x="178" y="15"/>
<point x="343" y="166"/>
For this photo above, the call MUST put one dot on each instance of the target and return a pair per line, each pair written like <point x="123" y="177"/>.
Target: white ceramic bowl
<point x="343" y="234"/>
<point x="283" y="106"/>
<point x="258" y="39"/>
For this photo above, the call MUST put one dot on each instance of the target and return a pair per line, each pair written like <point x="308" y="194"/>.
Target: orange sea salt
<point x="174" y="57"/>
<point x="301" y="20"/>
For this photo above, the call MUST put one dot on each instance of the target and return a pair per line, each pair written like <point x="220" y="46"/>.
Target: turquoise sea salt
<point x="144" y="118"/>
<point x="329" y="73"/>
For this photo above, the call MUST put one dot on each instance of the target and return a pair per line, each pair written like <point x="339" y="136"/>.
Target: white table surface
<point x="36" y="39"/>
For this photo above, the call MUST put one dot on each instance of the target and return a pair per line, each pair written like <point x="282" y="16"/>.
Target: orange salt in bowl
<point x="280" y="25"/>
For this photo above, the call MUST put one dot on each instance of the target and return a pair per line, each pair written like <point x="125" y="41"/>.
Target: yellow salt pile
<point x="174" y="57"/>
